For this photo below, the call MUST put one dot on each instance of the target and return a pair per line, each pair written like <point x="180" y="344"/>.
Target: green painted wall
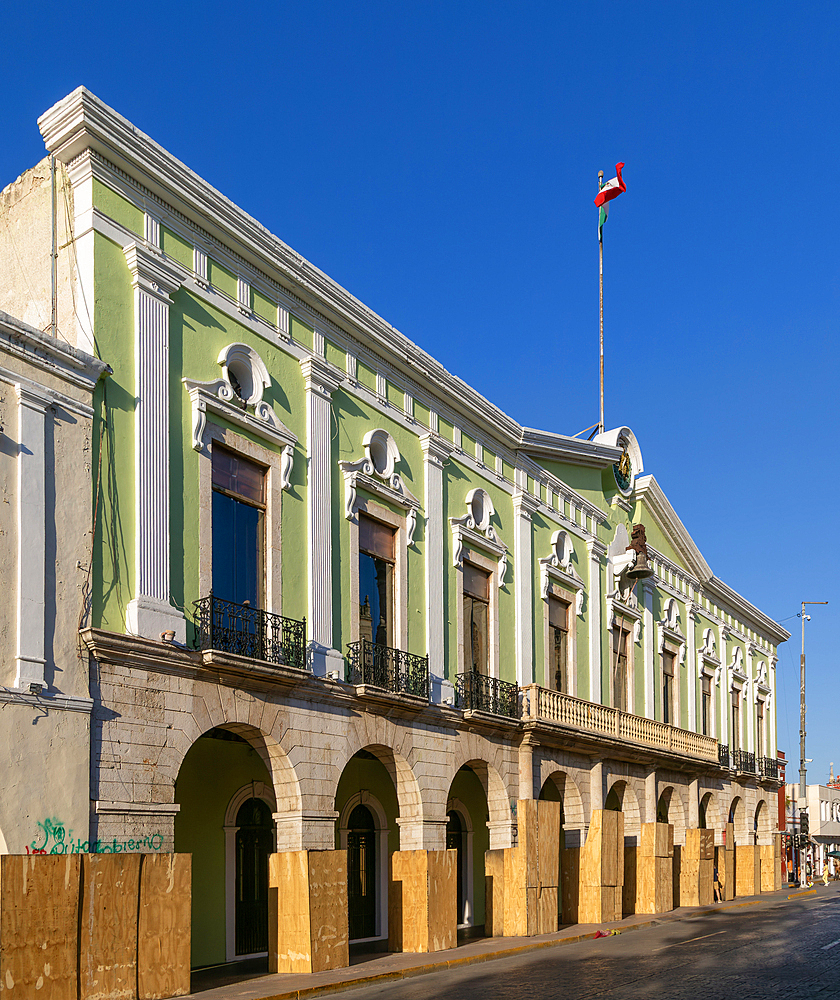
<point x="212" y="772"/>
<point x="264" y="307"/>
<point x="117" y="208"/>
<point x="176" y="248"/>
<point x="221" y="278"/>
<point x="335" y="355"/>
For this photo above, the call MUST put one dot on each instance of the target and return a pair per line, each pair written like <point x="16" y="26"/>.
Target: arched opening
<point x="669" y="809"/>
<point x="459" y="838"/>
<point x="254" y="842"/>
<point x="227" y="802"/>
<point x="367" y="828"/>
<point x="736" y="817"/>
<point x="468" y="801"/>
<point x="762" y="824"/>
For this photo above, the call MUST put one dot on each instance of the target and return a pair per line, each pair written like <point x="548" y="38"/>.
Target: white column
<point x="770" y="709"/>
<point x="651" y="797"/>
<point x="724" y="693"/>
<point x="649" y="639"/>
<point x="524" y="506"/>
<point x="750" y="699"/>
<point x="320" y="383"/>
<point x="597" y="550"/>
<point x="691" y="664"/>
<point x="150" y="612"/>
<point x="31" y="529"/>
<point x="435" y="453"/>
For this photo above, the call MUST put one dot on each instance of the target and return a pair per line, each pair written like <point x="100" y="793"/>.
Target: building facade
<point x="46" y="523"/>
<point x="823" y="835"/>
<point x="339" y="599"/>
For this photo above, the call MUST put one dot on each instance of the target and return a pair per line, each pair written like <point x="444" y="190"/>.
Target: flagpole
<point x="601" y="426"/>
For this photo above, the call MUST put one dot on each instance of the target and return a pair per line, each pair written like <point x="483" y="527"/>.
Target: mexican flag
<point x="612" y="189"/>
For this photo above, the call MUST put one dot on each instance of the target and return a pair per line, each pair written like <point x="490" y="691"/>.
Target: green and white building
<point x="340" y="599"/>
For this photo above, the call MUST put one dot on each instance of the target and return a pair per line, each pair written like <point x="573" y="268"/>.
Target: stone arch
<point x="676" y="811"/>
<point x="283" y="777"/>
<point x="574" y="817"/>
<point x="737" y="816"/>
<point x="763" y="823"/>
<point x="498" y="803"/>
<point x="708" y="803"/>
<point x="629" y="804"/>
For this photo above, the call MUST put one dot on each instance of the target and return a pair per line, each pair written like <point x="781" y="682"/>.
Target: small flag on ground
<point x="612" y="189"/>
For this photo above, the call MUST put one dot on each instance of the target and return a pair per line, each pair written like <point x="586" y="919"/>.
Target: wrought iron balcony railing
<point x="723" y="754"/>
<point x="251" y="632"/>
<point x="391" y="669"/>
<point x="743" y="760"/>
<point x="768" y="767"/>
<point x="486" y="694"/>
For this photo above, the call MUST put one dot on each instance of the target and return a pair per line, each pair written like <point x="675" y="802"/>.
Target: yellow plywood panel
<point x="494" y="893"/>
<point x="768" y="868"/>
<point x="532" y="916"/>
<point x="695" y="883"/>
<point x="408" y="910"/>
<point x="657" y="840"/>
<point x="527" y="813"/>
<point x="692" y="847"/>
<point x="570" y="885"/>
<point x="328" y="909"/>
<point x="548" y="905"/>
<point x="163" y="934"/>
<point x="600" y="904"/>
<point x="443" y="900"/>
<point x="707" y="845"/>
<point x="628" y="901"/>
<point x="727" y="871"/>
<point x="549" y="814"/>
<point x="515" y="916"/>
<point x="745" y="884"/>
<point x="681" y="863"/>
<point x="654" y="884"/>
<point x="108" y="926"/>
<point x="39" y="926"/>
<point x="289" y="941"/>
<point x="729" y="837"/>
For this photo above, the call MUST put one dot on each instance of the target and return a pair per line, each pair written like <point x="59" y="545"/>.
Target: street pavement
<point x="784" y="944"/>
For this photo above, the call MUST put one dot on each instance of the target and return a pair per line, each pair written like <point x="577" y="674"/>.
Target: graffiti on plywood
<point x="53" y="837"/>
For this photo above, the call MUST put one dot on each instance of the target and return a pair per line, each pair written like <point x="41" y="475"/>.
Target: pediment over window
<point x="238" y="397"/>
<point x="376" y="473"/>
<point x="475" y="529"/>
<point x="557" y="568"/>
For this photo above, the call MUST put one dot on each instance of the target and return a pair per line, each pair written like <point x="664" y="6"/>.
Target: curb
<point x="455" y="963"/>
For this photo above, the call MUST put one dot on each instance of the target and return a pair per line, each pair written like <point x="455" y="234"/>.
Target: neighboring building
<point x="823" y="822"/>
<point x="46" y="521"/>
<point x="338" y="597"/>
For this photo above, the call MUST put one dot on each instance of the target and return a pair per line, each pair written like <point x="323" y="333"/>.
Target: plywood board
<point x="657" y="840"/>
<point x="290" y="943"/>
<point x="768" y="868"/>
<point x="494" y="893"/>
<point x="328" y="909"/>
<point x="39" y="925"/>
<point x="695" y="882"/>
<point x="681" y="863"/>
<point x="527" y="813"/>
<point x="570" y="883"/>
<point x="654" y="884"/>
<point x="516" y="913"/>
<point x="729" y="837"/>
<point x="163" y="934"/>
<point x="549" y="816"/>
<point x="600" y="904"/>
<point x="408" y="916"/>
<point x="628" y="901"/>
<point x="745" y="871"/>
<point x="108" y="927"/>
<point x="548" y="907"/>
<point x="532" y="917"/>
<point x="443" y="900"/>
<point x="707" y="845"/>
<point x="727" y="870"/>
<point x="602" y="857"/>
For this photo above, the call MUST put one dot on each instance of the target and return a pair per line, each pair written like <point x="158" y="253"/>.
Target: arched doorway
<point x="361" y="873"/>
<point x="467" y="808"/>
<point x="254" y="843"/>
<point x="456" y="840"/>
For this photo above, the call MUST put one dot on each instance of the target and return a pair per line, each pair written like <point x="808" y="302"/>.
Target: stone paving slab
<point x="368" y="970"/>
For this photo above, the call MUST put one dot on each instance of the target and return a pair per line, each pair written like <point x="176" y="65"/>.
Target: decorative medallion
<point x="623" y="471"/>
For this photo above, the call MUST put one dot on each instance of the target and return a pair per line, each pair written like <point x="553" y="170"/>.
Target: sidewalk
<point x="368" y="970"/>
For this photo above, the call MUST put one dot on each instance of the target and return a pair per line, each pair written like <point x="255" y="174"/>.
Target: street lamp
<point x="802" y="759"/>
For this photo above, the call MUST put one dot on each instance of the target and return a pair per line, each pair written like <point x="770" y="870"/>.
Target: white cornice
<point x="51" y="355"/>
<point x="559" y="448"/>
<point x="745" y="611"/>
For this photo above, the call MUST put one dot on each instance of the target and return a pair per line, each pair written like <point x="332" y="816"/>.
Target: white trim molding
<point x="475" y="530"/>
<point x="375" y="473"/>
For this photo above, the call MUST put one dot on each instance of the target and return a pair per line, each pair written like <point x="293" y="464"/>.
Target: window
<point x="376" y="581"/>
<point x="706" y="705"/>
<point x="759" y="731"/>
<point x="558" y="632"/>
<point x="238" y="519"/>
<point x="736" y="720"/>
<point x="476" y="619"/>
<point x="621" y="665"/>
<point x="668" y="687"/>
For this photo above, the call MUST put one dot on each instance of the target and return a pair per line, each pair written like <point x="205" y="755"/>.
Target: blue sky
<point x="439" y="160"/>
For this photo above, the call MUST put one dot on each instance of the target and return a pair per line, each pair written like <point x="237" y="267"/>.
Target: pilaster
<point x="691" y="664"/>
<point x="596" y="787"/>
<point x="150" y="612"/>
<point x="723" y="692"/>
<point x="31" y="528"/>
<point x="435" y="453"/>
<point x="320" y="382"/>
<point x="651" y="797"/>
<point x="597" y="552"/>
<point x="649" y="650"/>
<point x="524" y="506"/>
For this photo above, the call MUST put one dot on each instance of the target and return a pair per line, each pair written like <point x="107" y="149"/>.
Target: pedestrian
<point x="716" y="885"/>
<point x="825" y="875"/>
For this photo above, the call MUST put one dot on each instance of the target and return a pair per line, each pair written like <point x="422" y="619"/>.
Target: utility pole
<point x="803" y="804"/>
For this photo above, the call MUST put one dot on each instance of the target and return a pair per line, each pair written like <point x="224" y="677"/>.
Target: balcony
<point x="250" y="632"/>
<point x="477" y="692"/>
<point x="743" y="760"/>
<point x="768" y="767"/>
<point x="552" y="706"/>
<point x="394" y="670"/>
